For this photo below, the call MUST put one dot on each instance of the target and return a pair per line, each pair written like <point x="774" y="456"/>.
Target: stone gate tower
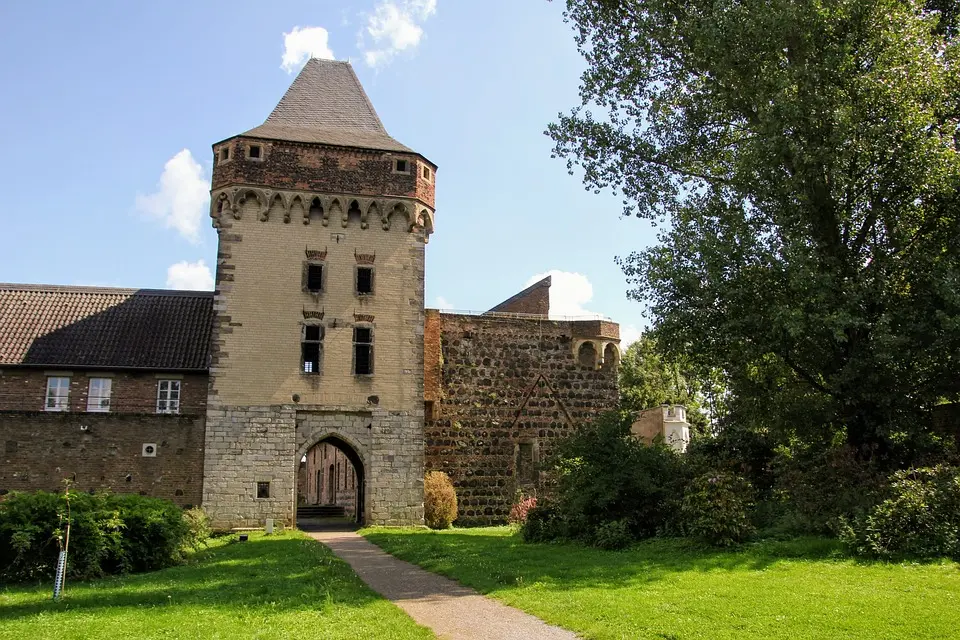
<point x="322" y="219"/>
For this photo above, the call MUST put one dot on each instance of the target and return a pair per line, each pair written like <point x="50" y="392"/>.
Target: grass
<point x="670" y="589"/>
<point x="279" y="586"/>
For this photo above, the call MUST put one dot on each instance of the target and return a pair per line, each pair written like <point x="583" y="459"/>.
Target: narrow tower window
<point x="401" y="166"/>
<point x="314" y="278"/>
<point x="364" y="280"/>
<point x="254" y="151"/>
<point x="362" y="351"/>
<point x="311" y="348"/>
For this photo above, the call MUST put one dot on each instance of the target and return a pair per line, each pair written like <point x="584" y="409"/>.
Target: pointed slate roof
<point x="327" y="105"/>
<point x="59" y="326"/>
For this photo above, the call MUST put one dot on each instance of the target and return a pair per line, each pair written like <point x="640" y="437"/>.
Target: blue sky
<point x="110" y="108"/>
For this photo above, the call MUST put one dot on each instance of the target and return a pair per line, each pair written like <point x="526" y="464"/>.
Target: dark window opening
<point x="362" y="351"/>
<point x="426" y="172"/>
<point x="315" y="277"/>
<point x="224" y="154"/>
<point x="428" y="409"/>
<point x="526" y="467"/>
<point x="254" y="151"/>
<point x="364" y="280"/>
<point x="311" y="348"/>
<point x="401" y="166"/>
<point x="263" y="490"/>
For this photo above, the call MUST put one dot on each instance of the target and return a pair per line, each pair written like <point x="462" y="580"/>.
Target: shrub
<point x="198" y="525"/>
<point x="607" y="475"/>
<point x="818" y="485"/>
<point x="920" y="517"/>
<point x="716" y="508"/>
<point x="544" y="524"/>
<point x="520" y="510"/>
<point x="108" y="534"/>
<point x="613" y="535"/>
<point x="439" y="500"/>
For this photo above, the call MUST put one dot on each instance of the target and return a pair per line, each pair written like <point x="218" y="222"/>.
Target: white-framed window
<point x="58" y="394"/>
<point x="168" y="396"/>
<point x="98" y="394"/>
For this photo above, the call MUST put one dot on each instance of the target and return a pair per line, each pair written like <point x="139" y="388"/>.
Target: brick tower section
<point x="322" y="220"/>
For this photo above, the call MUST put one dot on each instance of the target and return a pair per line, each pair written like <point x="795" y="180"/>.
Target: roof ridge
<point x="70" y="288"/>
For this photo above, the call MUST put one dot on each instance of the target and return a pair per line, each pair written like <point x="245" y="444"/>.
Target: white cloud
<point x="195" y="276"/>
<point x="394" y="26"/>
<point x="569" y="292"/>
<point x="442" y="304"/>
<point x="182" y="197"/>
<point x="302" y="44"/>
<point x="629" y="333"/>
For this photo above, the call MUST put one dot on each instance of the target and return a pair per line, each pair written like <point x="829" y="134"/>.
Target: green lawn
<point x="280" y="586"/>
<point x="670" y="589"/>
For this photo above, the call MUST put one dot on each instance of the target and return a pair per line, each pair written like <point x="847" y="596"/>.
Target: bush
<point x="613" y="535"/>
<point x="439" y="500"/>
<point x="920" y="517"/>
<point x="520" y="510"/>
<point x="607" y="475"/>
<point x="198" y="525"/>
<point x="544" y="524"/>
<point x="716" y="508"/>
<point x="108" y="534"/>
<point x="818" y="485"/>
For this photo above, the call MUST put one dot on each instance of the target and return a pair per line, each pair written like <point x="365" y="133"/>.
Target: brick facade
<point x="102" y="450"/>
<point x="24" y="389"/>
<point x="509" y="387"/>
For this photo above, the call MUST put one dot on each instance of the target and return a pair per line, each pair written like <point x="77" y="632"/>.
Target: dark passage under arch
<point x="322" y="484"/>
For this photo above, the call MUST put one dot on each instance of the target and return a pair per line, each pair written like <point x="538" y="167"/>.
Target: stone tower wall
<point x="264" y="412"/>
<point x="507" y="389"/>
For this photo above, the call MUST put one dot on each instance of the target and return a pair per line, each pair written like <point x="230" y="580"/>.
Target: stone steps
<point x="321" y="511"/>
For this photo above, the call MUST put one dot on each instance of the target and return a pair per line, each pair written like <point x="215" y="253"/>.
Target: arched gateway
<point x="331" y="479"/>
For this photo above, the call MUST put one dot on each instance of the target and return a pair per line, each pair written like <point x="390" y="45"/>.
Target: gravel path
<point x="451" y="610"/>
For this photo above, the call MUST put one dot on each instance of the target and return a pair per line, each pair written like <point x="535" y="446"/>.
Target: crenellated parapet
<point x="326" y="209"/>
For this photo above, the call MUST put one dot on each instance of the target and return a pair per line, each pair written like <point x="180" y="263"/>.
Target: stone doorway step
<point x="451" y="610"/>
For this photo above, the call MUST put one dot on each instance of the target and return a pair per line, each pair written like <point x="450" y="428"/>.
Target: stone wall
<point x="103" y="451"/>
<point x="261" y="402"/>
<point x="508" y="388"/>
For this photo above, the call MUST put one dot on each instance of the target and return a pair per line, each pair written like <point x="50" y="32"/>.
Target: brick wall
<point x="534" y="300"/>
<point x="23" y="389"/>
<point x="313" y="167"/>
<point x="38" y="450"/>
<point x="509" y="388"/>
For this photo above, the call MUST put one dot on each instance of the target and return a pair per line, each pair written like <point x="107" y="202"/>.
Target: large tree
<point x="802" y="158"/>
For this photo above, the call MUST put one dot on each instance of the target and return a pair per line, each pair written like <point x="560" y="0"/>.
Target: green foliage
<point x="439" y="500"/>
<point x="606" y="475"/>
<point x="919" y="518"/>
<point x="198" y="526"/>
<point x="613" y="535"/>
<point x="716" y="508"/>
<point x="108" y="534"/>
<point x="544" y="523"/>
<point x="818" y="486"/>
<point x="649" y="378"/>
<point x="803" y="159"/>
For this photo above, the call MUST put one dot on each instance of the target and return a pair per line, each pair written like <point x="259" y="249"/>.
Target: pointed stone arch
<point x="354" y="213"/>
<point x="245" y="193"/>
